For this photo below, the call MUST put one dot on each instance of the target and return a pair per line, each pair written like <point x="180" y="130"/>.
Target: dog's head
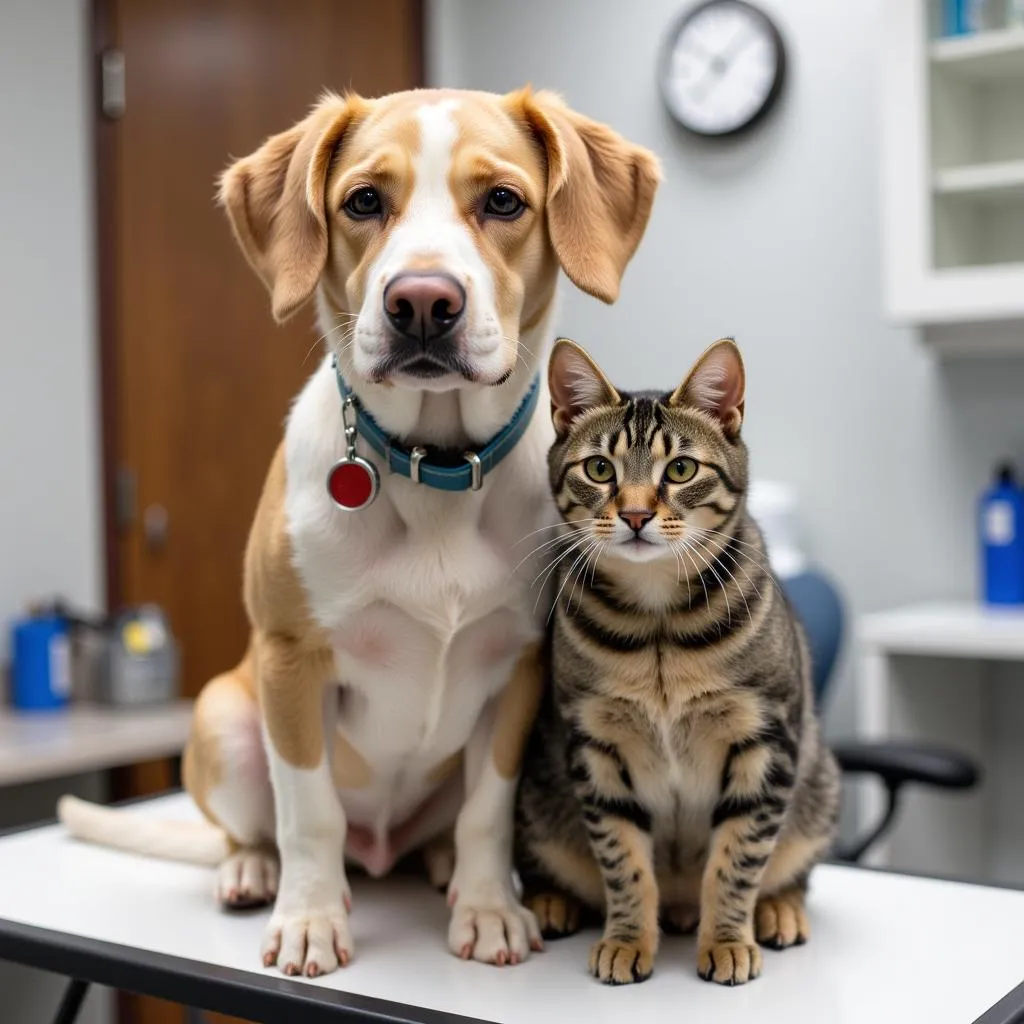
<point x="437" y="220"/>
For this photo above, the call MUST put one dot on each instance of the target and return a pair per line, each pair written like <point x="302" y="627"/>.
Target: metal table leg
<point x="71" y="1004"/>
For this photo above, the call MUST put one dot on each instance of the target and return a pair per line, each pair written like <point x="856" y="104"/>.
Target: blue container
<point x="961" y="17"/>
<point x="953" y="18"/>
<point x="41" y="667"/>
<point x="1001" y="525"/>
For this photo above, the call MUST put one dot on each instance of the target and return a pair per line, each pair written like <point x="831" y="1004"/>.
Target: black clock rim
<point x="664" y="63"/>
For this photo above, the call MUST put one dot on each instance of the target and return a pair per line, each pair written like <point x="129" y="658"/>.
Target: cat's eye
<point x="364" y="203"/>
<point x="599" y="469"/>
<point x="680" y="471"/>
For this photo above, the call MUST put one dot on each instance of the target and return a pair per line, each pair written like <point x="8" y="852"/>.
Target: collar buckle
<point x="416" y="456"/>
<point x="476" y="470"/>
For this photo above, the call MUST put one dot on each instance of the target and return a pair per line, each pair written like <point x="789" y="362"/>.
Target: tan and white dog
<point x="392" y="673"/>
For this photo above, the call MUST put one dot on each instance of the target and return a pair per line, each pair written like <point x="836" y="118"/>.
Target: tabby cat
<point x="675" y="771"/>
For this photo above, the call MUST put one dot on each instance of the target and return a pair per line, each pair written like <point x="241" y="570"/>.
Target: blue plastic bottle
<point x="1001" y="525"/>
<point x="41" y="668"/>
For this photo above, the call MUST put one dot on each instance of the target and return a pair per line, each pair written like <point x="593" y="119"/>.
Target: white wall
<point x="49" y="466"/>
<point x="775" y="240"/>
<point x="50" y="512"/>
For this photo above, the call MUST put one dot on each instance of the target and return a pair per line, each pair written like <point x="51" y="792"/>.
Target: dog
<point x="393" y="669"/>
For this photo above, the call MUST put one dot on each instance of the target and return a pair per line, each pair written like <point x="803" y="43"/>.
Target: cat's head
<point x="645" y="473"/>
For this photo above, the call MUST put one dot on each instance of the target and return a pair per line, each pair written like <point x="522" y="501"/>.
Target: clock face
<point x="723" y="68"/>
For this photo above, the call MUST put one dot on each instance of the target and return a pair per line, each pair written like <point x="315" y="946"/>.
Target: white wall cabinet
<point x="952" y="169"/>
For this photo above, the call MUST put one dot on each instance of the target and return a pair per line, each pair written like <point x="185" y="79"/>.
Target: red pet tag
<point x="352" y="481"/>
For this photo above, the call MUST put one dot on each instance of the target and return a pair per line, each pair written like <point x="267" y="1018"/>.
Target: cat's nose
<point x="636" y="518"/>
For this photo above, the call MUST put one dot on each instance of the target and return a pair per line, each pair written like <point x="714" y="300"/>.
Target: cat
<point x="675" y="772"/>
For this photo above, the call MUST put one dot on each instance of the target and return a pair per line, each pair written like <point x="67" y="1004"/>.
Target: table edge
<point x="283" y="994"/>
<point x="266" y="999"/>
<point x="1009" y="1009"/>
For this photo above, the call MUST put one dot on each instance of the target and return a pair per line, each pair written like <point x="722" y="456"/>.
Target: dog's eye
<point x="503" y="203"/>
<point x="364" y="202"/>
<point x="599" y="469"/>
<point x="679" y="471"/>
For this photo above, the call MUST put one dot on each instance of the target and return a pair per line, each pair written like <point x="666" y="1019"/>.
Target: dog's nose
<point x="424" y="306"/>
<point x="636" y="518"/>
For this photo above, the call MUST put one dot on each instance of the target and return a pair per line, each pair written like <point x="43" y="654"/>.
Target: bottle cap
<point x="1006" y="474"/>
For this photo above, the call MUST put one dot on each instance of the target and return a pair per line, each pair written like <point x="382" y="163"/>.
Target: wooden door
<point x="196" y="378"/>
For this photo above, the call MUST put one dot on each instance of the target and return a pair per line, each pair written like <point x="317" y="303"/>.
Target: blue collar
<point x="442" y="470"/>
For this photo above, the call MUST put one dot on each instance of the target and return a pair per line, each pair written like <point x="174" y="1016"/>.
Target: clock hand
<point x="739" y="44"/>
<point x="694" y="43"/>
<point x="721" y="63"/>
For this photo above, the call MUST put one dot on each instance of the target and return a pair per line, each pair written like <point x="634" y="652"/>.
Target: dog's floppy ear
<point x="576" y="384"/>
<point x="717" y="384"/>
<point x="599" y="195"/>
<point x="275" y="200"/>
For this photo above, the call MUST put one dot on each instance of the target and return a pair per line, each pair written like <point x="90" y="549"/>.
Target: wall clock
<point x="722" y="68"/>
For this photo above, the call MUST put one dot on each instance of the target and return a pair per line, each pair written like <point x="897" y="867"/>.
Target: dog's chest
<point x="433" y="635"/>
<point x="421" y="596"/>
<point x="436" y="622"/>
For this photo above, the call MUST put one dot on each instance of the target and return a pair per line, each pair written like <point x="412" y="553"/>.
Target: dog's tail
<point x="194" y="842"/>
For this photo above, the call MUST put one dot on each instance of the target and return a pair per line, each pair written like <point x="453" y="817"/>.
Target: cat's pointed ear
<point x="717" y="384"/>
<point x="576" y="384"/>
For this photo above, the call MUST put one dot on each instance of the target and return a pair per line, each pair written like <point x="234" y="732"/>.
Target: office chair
<point x="818" y="606"/>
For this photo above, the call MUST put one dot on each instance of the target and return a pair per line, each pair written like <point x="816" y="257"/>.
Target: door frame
<point x="104" y="36"/>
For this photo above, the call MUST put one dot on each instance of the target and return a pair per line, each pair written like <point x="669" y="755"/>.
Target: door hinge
<point x="127" y="497"/>
<point x="112" y="83"/>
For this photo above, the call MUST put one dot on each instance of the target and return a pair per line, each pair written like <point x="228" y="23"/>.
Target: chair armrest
<point x="899" y="763"/>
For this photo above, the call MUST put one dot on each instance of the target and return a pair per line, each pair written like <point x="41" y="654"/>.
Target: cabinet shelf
<point x="990" y="181"/>
<point x="984" y="56"/>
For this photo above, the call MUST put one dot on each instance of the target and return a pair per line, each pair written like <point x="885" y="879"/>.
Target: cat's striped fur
<point x="675" y="771"/>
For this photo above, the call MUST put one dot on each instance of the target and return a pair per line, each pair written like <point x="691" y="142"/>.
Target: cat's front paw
<point x="557" y="913"/>
<point x="781" y="922"/>
<point x="615" y="962"/>
<point x="729" y="963"/>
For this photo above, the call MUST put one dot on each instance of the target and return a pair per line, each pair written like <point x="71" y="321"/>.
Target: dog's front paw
<point x="729" y="963"/>
<point x="248" y="878"/>
<point x="312" y="943"/>
<point x="618" y="962"/>
<point x="489" y="924"/>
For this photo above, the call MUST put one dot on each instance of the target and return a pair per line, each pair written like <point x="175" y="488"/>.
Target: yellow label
<point x="136" y="638"/>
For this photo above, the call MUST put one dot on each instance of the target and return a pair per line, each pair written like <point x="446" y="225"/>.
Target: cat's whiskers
<point x="674" y="545"/>
<point x="552" y="565"/>
<point x="580" y="558"/>
<point x="727" y="553"/>
<point x="750" y="558"/>
<point x="732" y="577"/>
<point x="725" y="590"/>
<point x="684" y="547"/>
<point x="581" y="578"/>
<point x="597" y="558"/>
<point x="572" y="589"/>
<point x="553" y="526"/>
<point x="540" y="547"/>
